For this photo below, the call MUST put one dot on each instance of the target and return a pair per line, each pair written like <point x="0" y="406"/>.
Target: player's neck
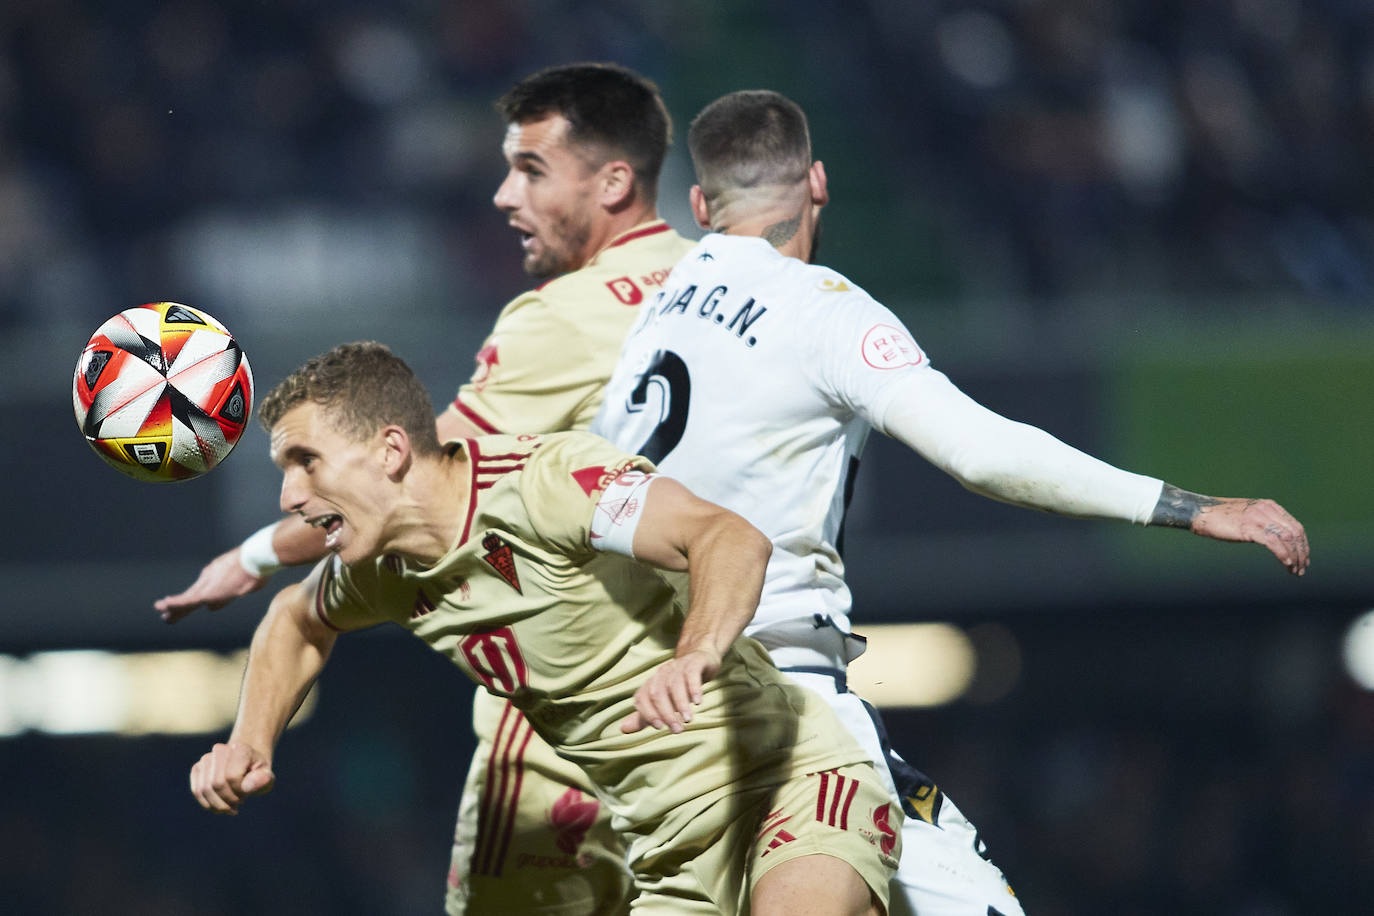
<point x="429" y="517"/>
<point x="789" y="232"/>
<point x="617" y="224"/>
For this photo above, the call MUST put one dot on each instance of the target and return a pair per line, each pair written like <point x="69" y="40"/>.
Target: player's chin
<point x="544" y="264"/>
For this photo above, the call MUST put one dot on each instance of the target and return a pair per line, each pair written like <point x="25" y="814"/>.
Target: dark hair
<point x="747" y="139"/>
<point x="364" y="386"/>
<point x="607" y="106"/>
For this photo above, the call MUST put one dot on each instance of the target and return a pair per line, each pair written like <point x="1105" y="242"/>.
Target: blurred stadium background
<point x="1144" y="226"/>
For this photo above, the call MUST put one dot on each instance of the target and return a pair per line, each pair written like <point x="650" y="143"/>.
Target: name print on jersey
<point x="713" y="309"/>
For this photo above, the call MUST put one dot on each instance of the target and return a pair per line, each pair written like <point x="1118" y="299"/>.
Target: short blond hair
<point x="364" y="387"/>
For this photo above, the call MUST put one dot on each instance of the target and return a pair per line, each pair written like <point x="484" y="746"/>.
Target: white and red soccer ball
<point x="162" y="392"/>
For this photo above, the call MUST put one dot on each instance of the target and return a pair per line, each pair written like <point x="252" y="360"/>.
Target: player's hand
<point x="667" y="697"/>
<point x="222" y="580"/>
<point x="1261" y="521"/>
<point x="228" y="774"/>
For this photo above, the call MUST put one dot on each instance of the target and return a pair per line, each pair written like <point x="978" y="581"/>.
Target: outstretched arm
<point x="246" y="568"/>
<point x="290" y="648"/>
<point x="725" y="558"/>
<point x="1026" y="466"/>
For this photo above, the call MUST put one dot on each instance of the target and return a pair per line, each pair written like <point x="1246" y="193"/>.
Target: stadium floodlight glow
<point x="1358" y="650"/>
<point x="913" y="665"/>
<point x="95" y="692"/>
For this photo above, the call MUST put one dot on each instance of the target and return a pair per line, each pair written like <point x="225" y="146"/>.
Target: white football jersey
<point x="754" y="378"/>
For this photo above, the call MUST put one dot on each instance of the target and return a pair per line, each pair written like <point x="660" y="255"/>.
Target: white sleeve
<point x="863" y="352"/>
<point x="1006" y="460"/>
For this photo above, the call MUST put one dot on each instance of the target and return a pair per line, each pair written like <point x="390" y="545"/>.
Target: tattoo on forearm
<point x="1177" y="508"/>
<point x="780" y="234"/>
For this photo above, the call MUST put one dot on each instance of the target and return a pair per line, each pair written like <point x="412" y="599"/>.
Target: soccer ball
<point x="162" y="392"/>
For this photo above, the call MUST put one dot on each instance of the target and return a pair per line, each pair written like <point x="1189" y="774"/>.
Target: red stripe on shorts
<point x="844" y="813"/>
<point x="835" y="802"/>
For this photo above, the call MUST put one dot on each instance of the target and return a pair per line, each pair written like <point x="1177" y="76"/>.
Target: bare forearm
<point x="725" y="558"/>
<point x="725" y="573"/>
<point x="285" y="658"/>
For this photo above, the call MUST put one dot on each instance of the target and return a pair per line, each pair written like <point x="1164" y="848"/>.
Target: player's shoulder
<point x="824" y="285"/>
<point x="499" y="455"/>
<point x="755" y="258"/>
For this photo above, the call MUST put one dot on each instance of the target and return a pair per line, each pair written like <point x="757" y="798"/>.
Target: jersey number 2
<point x="669" y="373"/>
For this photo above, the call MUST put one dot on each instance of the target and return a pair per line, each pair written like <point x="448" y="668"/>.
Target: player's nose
<point x="293" y="492"/>
<point x="506" y="198"/>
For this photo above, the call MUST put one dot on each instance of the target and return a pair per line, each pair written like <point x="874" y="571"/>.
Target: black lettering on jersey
<point x="713" y="308"/>
<point x="708" y="305"/>
<point x="746" y="316"/>
<point x="683" y="300"/>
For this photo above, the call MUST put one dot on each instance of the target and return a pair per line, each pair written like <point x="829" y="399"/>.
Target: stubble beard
<point x="560" y="257"/>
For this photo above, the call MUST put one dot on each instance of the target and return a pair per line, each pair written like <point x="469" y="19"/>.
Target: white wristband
<point x="256" y="555"/>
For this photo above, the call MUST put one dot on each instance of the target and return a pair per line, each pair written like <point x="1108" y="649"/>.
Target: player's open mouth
<point x="331" y="525"/>
<point x="526" y="236"/>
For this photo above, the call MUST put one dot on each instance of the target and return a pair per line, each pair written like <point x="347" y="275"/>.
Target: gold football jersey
<point x="529" y="609"/>
<point x="545" y="364"/>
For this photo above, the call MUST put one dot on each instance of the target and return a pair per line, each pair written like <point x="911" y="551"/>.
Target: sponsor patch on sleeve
<point x="886" y="347"/>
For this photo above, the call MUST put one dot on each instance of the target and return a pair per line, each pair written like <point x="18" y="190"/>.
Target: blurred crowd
<point x="1212" y="148"/>
<point x="329" y="154"/>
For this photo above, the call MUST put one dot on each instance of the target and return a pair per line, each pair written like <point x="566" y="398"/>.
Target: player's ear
<point x="395" y="454"/>
<point x="815" y="178"/>
<point x="617" y="183"/>
<point x="699" y="210"/>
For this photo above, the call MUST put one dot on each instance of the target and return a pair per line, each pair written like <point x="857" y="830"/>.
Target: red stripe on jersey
<point x="639" y="234"/>
<point x="476" y="419"/>
<point x="471" y="447"/>
<point x="515" y="793"/>
<point x="490" y="466"/>
<point x="493" y="465"/>
<point x="504" y="456"/>
<point x="849" y="797"/>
